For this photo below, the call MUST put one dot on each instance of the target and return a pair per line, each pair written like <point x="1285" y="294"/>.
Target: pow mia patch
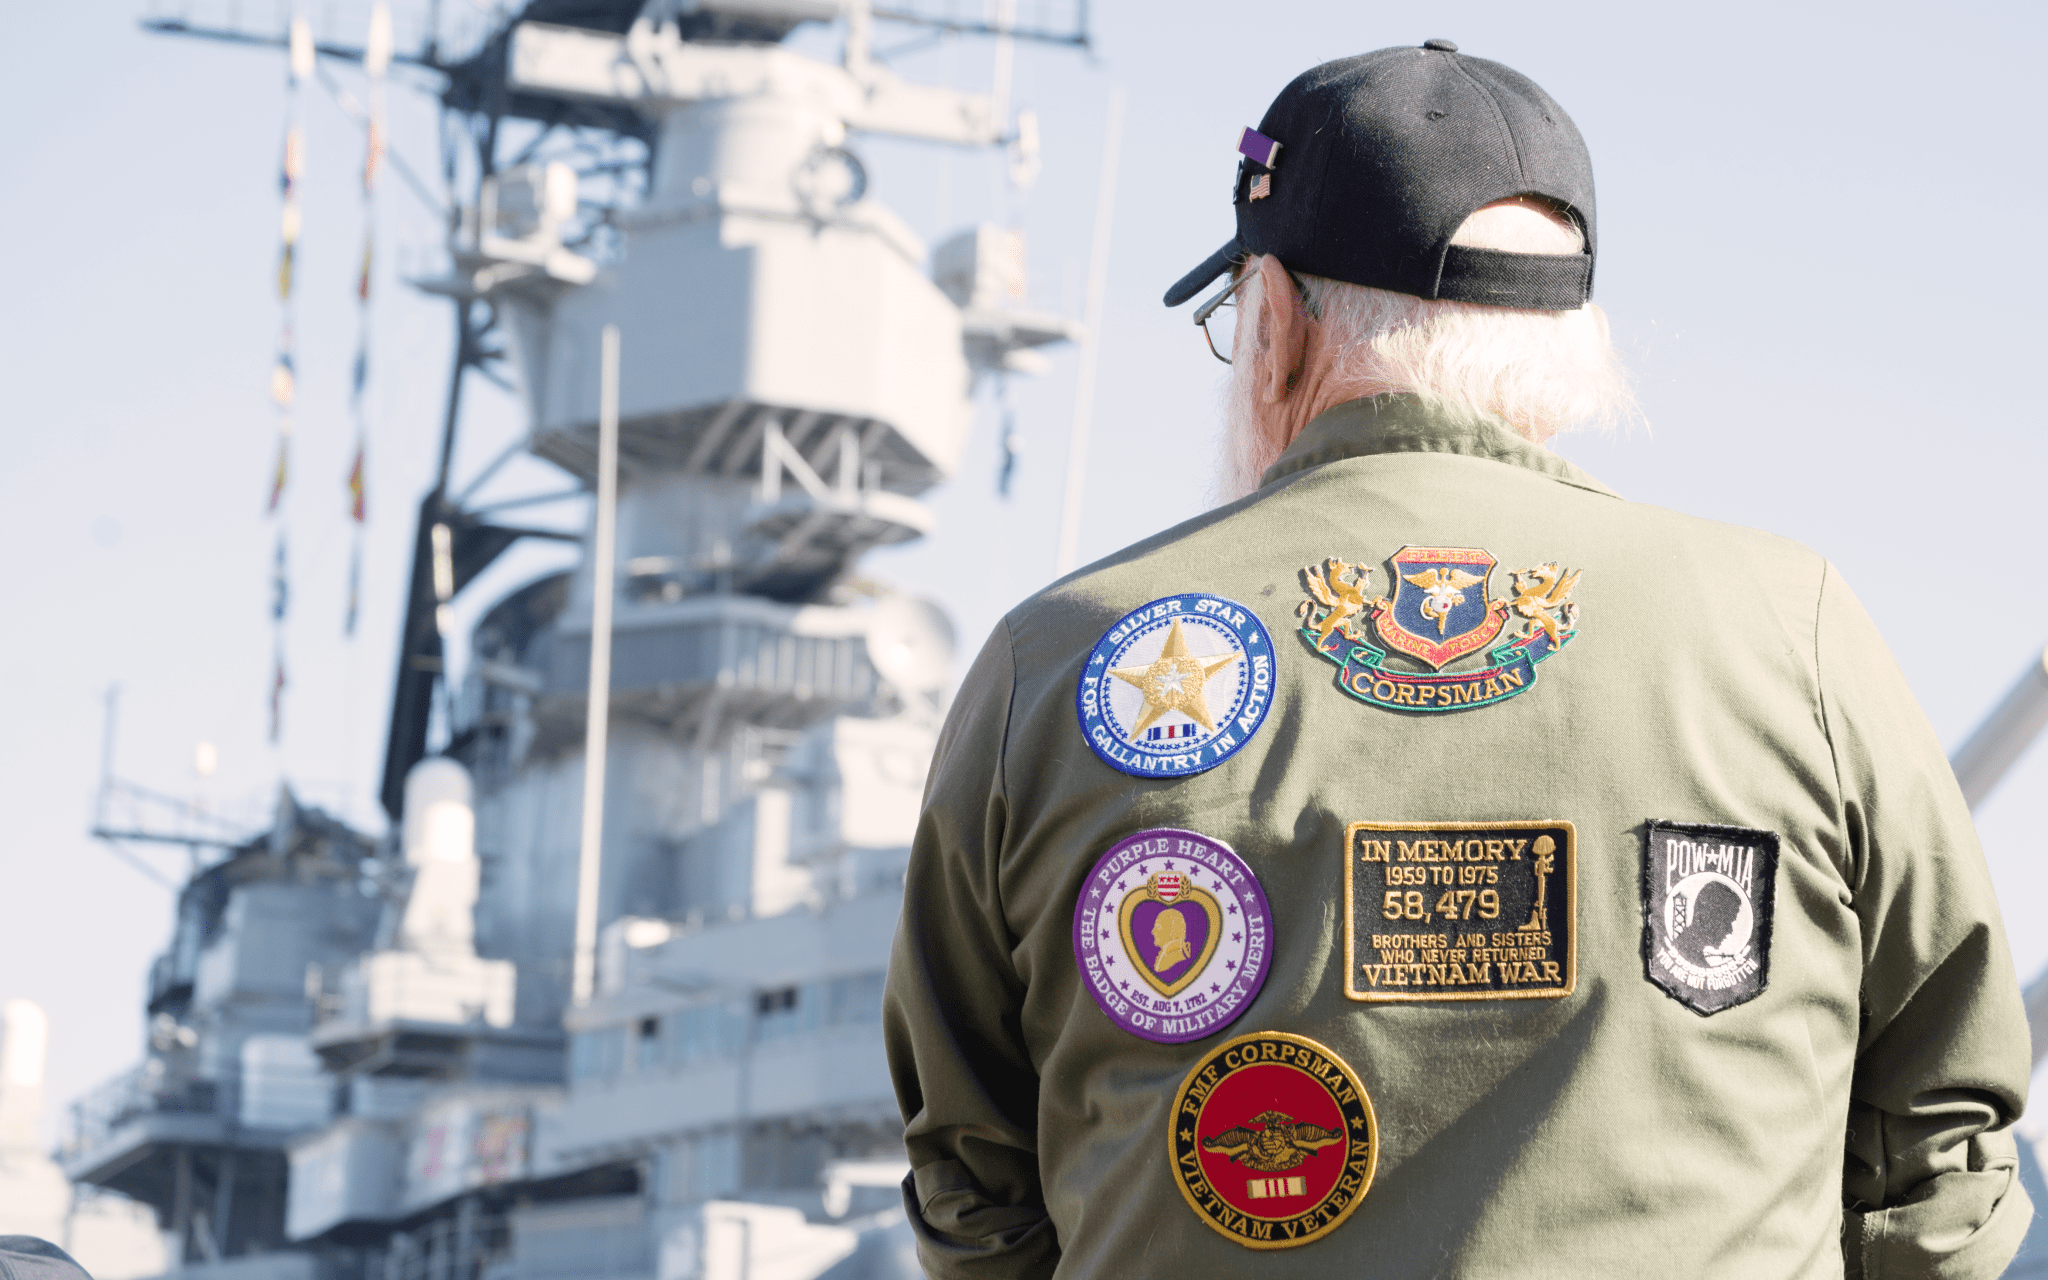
<point x="1177" y="686"/>
<point x="1273" y="1140"/>
<point x="1707" y="898"/>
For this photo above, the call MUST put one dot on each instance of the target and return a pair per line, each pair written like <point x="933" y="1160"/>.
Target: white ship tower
<point x="796" y="370"/>
<point x="791" y="380"/>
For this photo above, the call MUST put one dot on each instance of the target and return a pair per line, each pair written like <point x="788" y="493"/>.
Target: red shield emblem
<point x="1441" y="611"/>
<point x="1169" y="886"/>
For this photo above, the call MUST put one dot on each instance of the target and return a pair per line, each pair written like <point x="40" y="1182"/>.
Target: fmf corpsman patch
<point x="1273" y="1140"/>
<point x="1176" y="687"/>
<point x="1441" y="610"/>
<point x="1460" y="910"/>
<point x="1172" y="934"/>
<point x="1707" y="898"/>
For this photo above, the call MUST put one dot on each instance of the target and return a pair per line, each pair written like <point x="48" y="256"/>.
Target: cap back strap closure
<point x="1539" y="281"/>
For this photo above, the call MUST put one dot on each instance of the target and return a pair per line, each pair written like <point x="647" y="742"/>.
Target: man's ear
<point x="1283" y="326"/>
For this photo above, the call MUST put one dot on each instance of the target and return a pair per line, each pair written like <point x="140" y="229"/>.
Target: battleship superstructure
<point x="374" y="1060"/>
<point x="366" y="1059"/>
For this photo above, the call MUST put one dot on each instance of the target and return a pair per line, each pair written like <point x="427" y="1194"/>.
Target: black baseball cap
<point x="1364" y="168"/>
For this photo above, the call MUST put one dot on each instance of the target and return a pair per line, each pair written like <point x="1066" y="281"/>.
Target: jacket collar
<point x="1409" y="424"/>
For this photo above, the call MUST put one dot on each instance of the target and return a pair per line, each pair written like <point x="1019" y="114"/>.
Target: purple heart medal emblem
<point x="1172" y="934"/>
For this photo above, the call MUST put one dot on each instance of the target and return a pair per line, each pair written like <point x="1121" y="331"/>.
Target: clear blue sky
<point x="1818" y="231"/>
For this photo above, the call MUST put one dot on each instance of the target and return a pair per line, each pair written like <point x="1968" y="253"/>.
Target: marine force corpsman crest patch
<point x="1176" y="687"/>
<point x="1273" y="1140"/>
<point x="1441" y="610"/>
<point x="1172" y="934"/>
<point x="1708" y="894"/>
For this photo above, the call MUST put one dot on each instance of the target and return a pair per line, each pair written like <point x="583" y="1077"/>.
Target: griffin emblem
<point x="1443" y="590"/>
<point x="1549" y="589"/>
<point x="1281" y="1144"/>
<point x="1338" y="587"/>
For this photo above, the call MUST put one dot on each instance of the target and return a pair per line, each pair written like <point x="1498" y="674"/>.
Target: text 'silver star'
<point x="1174" y="681"/>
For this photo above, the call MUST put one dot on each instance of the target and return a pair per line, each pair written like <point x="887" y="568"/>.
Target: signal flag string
<point x="284" y="371"/>
<point x="376" y="59"/>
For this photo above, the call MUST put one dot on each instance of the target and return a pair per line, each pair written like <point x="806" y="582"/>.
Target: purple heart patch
<point x="1172" y="935"/>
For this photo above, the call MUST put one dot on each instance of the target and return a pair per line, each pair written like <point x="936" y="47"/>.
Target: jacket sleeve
<point x="1930" y="1176"/>
<point x="951" y="1012"/>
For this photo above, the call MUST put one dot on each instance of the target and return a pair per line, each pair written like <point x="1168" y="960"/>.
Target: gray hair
<point x="1543" y="372"/>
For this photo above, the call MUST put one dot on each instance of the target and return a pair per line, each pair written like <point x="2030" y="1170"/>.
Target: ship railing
<point x="463" y="1245"/>
<point x="141" y="1092"/>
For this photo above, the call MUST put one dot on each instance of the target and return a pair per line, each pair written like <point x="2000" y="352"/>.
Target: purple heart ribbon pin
<point x="1259" y="149"/>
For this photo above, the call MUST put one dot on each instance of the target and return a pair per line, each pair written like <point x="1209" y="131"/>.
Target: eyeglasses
<point x="1224" y="300"/>
<point x="1217" y="316"/>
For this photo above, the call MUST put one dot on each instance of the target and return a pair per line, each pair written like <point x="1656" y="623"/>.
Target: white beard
<point x="1244" y="447"/>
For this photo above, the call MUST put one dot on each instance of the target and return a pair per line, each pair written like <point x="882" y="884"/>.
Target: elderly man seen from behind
<point x="1397" y="870"/>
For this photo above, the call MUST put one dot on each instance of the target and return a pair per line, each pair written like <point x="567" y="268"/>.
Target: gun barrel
<point x="2005" y="735"/>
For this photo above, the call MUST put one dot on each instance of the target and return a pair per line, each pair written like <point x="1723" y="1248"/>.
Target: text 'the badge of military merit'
<point x="1460" y="910"/>
<point x="1176" y="687"/>
<point x="1172" y="935"/>
<point x="1708" y="892"/>
<point x="1441" y="611"/>
<point x="1273" y="1140"/>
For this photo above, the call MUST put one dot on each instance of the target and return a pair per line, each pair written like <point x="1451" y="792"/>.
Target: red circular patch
<point x="1273" y="1140"/>
<point x="1294" y="1098"/>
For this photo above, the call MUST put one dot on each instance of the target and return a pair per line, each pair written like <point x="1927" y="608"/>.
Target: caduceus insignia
<point x="1443" y="589"/>
<point x="1281" y="1144"/>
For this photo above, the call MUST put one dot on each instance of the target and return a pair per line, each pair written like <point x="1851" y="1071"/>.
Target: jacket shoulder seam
<point x="1820" y="699"/>
<point x="1009" y="712"/>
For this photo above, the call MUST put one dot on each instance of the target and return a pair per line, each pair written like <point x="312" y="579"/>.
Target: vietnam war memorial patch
<point x="1708" y="893"/>
<point x="1177" y="686"/>
<point x="1273" y="1140"/>
<point x="1460" y="910"/>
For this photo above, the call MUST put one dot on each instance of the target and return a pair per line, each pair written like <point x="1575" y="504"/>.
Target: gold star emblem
<point x="1174" y="681"/>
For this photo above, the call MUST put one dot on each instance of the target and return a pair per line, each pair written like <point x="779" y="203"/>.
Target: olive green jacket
<point x="1855" y="1112"/>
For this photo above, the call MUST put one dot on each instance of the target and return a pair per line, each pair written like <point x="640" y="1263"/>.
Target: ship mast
<point x="661" y="1038"/>
<point x="608" y="136"/>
